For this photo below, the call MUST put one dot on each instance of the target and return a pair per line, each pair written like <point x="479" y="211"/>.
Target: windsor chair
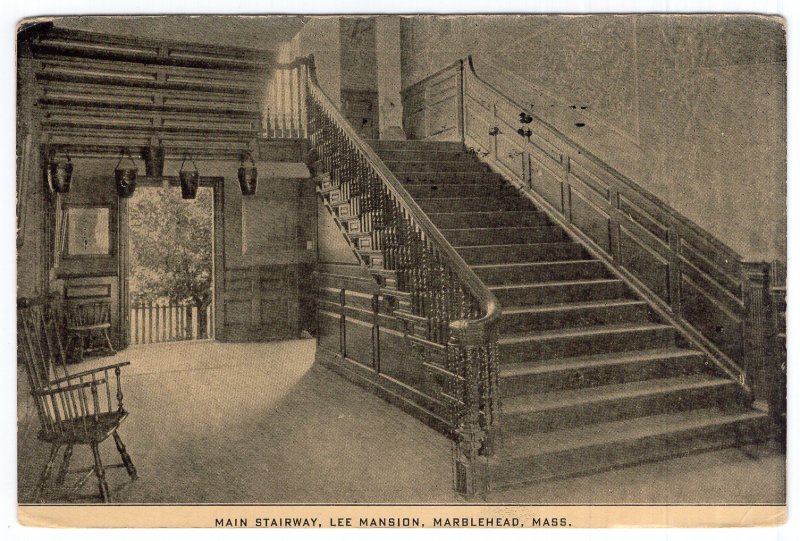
<point x="73" y="409"/>
<point x="85" y="319"/>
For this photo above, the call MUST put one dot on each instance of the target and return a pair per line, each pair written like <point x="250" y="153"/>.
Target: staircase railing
<point x="284" y="115"/>
<point x="458" y="309"/>
<point x="551" y="167"/>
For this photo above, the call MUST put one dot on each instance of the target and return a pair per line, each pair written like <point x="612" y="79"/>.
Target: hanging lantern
<point x="248" y="175"/>
<point x="189" y="179"/>
<point x="59" y="174"/>
<point x="126" y="176"/>
<point x="154" y="160"/>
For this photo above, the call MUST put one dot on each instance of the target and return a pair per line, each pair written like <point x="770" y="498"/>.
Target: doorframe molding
<point x="217" y="260"/>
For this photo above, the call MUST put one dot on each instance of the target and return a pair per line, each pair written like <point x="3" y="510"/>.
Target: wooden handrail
<point x="487" y="300"/>
<point x="676" y="221"/>
<point x="583" y="151"/>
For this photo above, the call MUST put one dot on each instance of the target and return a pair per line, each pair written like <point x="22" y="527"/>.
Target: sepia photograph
<point x="488" y="262"/>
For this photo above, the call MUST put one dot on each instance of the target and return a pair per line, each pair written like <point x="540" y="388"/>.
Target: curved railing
<point x="459" y="311"/>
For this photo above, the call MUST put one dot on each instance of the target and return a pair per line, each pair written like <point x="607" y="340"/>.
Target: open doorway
<point x="170" y="265"/>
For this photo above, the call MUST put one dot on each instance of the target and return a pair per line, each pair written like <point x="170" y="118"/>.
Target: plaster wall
<point x="692" y="108"/>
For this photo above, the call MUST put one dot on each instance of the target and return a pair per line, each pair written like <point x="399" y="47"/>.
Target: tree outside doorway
<point x="171" y="252"/>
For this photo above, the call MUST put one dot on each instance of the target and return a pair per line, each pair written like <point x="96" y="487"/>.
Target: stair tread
<point x="619" y="431"/>
<point x="499" y="228"/>
<point x="534" y="263"/>
<point x="393" y="160"/>
<point x="519" y="338"/>
<point x="591" y="361"/>
<point x="560" y="307"/>
<point x="512" y="245"/>
<point x="431" y="185"/>
<point x="472" y="213"/>
<point x="526" y="285"/>
<point x="503" y="195"/>
<point x="532" y="403"/>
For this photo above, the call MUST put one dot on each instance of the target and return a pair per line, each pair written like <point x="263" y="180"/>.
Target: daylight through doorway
<point x="171" y="282"/>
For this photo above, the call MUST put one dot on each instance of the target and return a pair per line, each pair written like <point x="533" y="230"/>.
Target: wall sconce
<point x="154" y="160"/>
<point x="126" y="176"/>
<point x="525" y="118"/>
<point x="59" y="174"/>
<point x="248" y="175"/>
<point x="525" y="132"/>
<point x="189" y="179"/>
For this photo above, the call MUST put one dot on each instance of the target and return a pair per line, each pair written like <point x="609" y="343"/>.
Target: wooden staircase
<point x="590" y="378"/>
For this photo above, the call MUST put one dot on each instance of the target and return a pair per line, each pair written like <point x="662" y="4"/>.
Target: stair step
<point x="559" y="292"/>
<point x="393" y="154"/>
<point x="603" y="446"/>
<point x="594" y="370"/>
<point x="545" y="412"/>
<point x="577" y="341"/>
<point x="447" y="177"/>
<point x="573" y="314"/>
<point x="515" y="253"/>
<point x="544" y="271"/>
<point x="477" y="204"/>
<point x="416" y="144"/>
<point x="485" y="190"/>
<point x="351" y="224"/>
<point x="460" y="220"/>
<point x="433" y="166"/>
<point x="504" y="235"/>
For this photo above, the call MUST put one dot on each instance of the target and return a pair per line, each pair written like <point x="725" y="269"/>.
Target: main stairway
<point x="590" y="378"/>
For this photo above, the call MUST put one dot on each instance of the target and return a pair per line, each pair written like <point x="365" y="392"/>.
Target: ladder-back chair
<point x="73" y="409"/>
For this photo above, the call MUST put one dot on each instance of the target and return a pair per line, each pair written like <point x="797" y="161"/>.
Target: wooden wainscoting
<point x="360" y="338"/>
<point x="261" y="303"/>
<point x="432" y="106"/>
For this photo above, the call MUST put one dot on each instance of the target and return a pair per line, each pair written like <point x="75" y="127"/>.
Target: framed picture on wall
<point x="86" y="231"/>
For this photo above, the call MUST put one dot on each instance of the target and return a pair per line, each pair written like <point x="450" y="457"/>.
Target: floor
<point x="261" y="423"/>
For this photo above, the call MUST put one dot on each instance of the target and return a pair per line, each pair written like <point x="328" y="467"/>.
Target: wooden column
<point x="123" y="305"/>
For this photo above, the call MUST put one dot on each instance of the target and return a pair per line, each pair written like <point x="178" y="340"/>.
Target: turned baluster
<point x="404" y="252"/>
<point x="427" y="290"/>
<point x="390" y="228"/>
<point x="120" y="408"/>
<point x="416" y="265"/>
<point x="441" y="319"/>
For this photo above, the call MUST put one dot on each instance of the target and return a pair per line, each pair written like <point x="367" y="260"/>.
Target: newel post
<point x="470" y="466"/>
<point x="755" y="285"/>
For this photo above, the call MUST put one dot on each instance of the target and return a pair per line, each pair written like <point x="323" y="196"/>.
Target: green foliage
<point x="171" y="242"/>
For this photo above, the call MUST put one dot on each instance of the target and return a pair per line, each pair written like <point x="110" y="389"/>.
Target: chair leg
<point x="100" y="472"/>
<point x="108" y="341"/>
<point x="126" y="458"/>
<point x="68" y="348"/>
<point x="62" y="471"/>
<point x="48" y="468"/>
<point x="80" y="347"/>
